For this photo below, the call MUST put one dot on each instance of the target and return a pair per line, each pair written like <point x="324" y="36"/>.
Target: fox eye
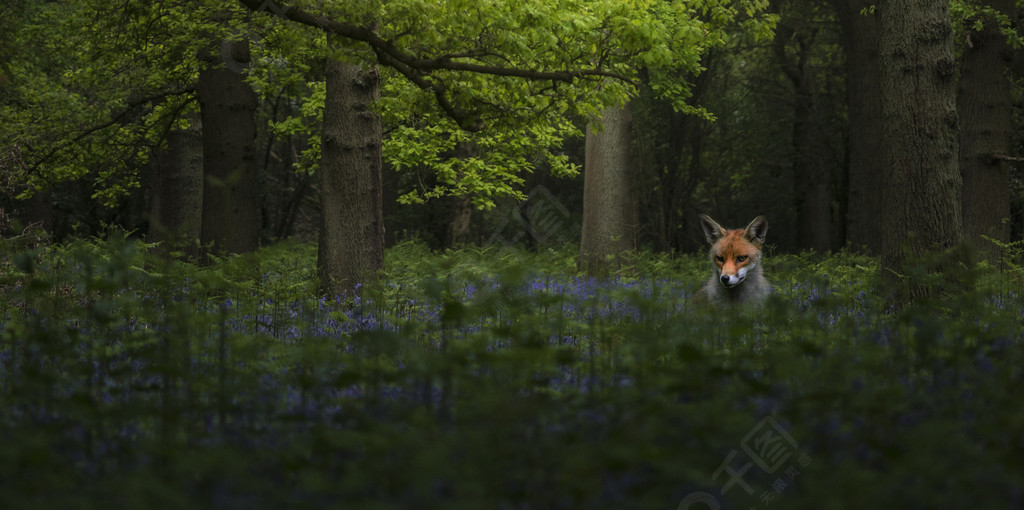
<point x="719" y="258"/>
<point x="741" y="258"/>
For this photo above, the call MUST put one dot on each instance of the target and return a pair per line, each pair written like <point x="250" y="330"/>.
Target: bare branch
<point x="1005" y="157"/>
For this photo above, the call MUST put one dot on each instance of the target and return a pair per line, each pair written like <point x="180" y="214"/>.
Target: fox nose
<point x="725" y="279"/>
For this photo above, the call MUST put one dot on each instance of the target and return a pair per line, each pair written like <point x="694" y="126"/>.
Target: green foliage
<point x="110" y="87"/>
<point x="742" y="162"/>
<point x="96" y="90"/>
<point x="506" y="126"/>
<point x="114" y="82"/>
<point x="485" y="378"/>
<point x="1010" y="268"/>
<point x="971" y="16"/>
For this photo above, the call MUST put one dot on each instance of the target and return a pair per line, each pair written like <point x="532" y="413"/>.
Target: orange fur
<point x="736" y="254"/>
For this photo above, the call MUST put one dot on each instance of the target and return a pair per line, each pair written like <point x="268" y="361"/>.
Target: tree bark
<point x="985" y="106"/>
<point x="231" y="221"/>
<point x="672" y="164"/>
<point x="462" y="206"/>
<point x="351" y="247"/>
<point x="177" y="209"/>
<point x="609" y="206"/>
<point x="922" y="189"/>
<point x="810" y="175"/>
<point x="866" y="162"/>
<point x="458" y="226"/>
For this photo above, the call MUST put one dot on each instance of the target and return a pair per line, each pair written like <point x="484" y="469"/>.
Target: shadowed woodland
<point x="444" y="254"/>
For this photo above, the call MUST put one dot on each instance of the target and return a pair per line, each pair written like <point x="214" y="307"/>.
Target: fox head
<point x="735" y="252"/>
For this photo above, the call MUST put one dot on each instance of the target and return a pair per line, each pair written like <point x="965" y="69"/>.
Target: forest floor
<point x="485" y="378"/>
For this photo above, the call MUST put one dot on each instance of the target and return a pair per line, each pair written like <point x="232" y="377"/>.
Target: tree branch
<point x="1005" y="157"/>
<point x="417" y="70"/>
<point x="113" y="120"/>
<point x="426" y="65"/>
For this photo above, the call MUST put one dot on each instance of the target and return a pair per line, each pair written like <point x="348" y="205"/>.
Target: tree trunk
<point x="609" y="207"/>
<point x="462" y="206"/>
<point x="231" y="221"/>
<point x="922" y="190"/>
<point x="38" y="211"/>
<point x="678" y="168"/>
<point x="1017" y="202"/>
<point x="985" y="107"/>
<point x="810" y="174"/>
<point x="462" y="214"/>
<point x="866" y="162"/>
<point x="177" y="208"/>
<point x="351" y="248"/>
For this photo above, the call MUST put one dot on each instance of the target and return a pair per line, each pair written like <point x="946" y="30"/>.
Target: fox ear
<point x="712" y="230"/>
<point x="756" y="230"/>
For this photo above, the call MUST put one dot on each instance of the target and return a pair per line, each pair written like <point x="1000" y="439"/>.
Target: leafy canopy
<point x="91" y="91"/>
<point x="511" y="80"/>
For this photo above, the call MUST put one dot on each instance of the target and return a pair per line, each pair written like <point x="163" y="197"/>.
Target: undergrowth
<point x="485" y="378"/>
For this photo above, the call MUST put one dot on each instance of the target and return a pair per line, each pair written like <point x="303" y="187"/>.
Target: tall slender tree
<point x="985" y="106"/>
<point x="811" y="175"/>
<point x="866" y="162"/>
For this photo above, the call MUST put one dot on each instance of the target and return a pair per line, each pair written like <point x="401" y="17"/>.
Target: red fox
<point x="736" y="257"/>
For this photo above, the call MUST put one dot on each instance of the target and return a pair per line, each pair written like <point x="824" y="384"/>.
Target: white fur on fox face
<point x="731" y="280"/>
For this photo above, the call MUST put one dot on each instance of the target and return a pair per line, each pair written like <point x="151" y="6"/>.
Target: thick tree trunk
<point x="922" y="190"/>
<point x="609" y="206"/>
<point x="985" y="107"/>
<point x="177" y="207"/>
<point x="231" y="221"/>
<point x="351" y="249"/>
<point x="866" y="161"/>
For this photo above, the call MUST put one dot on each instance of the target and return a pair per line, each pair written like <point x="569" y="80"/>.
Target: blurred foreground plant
<point x="484" y="379"/>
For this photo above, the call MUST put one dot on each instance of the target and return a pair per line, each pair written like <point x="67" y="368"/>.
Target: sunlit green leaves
<point x="82" y="105"/>
<point x="973" y="15"/>
<point x="525" y="122"/>
<point x="84" y="78"/>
